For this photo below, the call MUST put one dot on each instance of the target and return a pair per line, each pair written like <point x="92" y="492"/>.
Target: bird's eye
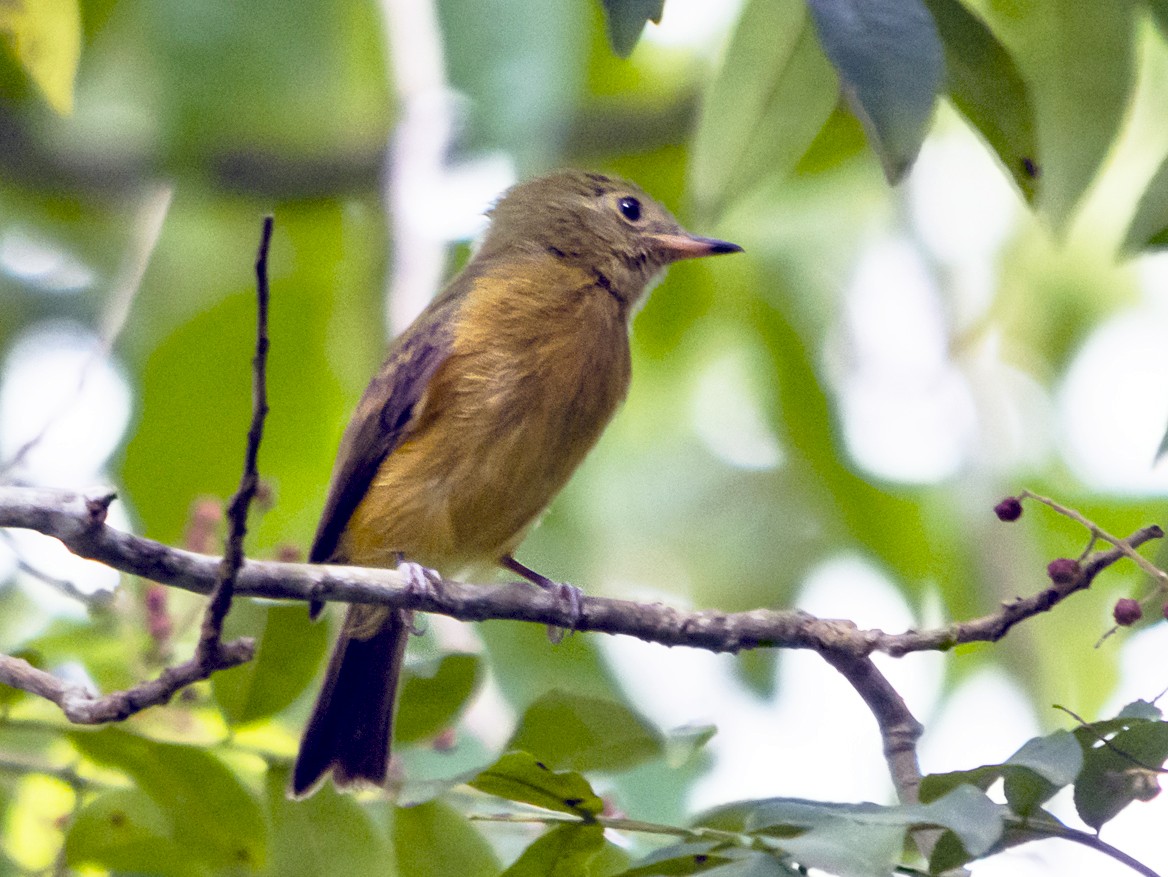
<point x="630" y="208"/>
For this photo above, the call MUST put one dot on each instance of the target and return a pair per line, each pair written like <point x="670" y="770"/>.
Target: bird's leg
<point x="420" y="581"/>
<point x="567" y="594"/>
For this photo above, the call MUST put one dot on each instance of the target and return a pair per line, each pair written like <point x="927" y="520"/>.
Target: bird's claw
<point x="571" y="598"/>
<point x="420" y="581"/>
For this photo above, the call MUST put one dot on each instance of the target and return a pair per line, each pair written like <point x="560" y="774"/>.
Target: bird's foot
<point x="420" y="581"/>
<point x="569" y="596"/>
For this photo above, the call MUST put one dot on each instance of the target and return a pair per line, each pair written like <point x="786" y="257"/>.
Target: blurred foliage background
<point x="824" y="422"/>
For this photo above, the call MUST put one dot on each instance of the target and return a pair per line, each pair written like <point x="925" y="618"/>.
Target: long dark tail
<point x="351" y="724"/>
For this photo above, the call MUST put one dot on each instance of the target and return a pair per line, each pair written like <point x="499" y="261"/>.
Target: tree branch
<point x="70" y="517"/>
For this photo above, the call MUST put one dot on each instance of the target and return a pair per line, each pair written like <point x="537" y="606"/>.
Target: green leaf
<point x="565" y="851"/>
<point x="576" y="731"/>
<point x="1041" y="767"/>
<point x="1149" y="229"/>
<point x="769" y="100"/>
<point x="1114" y="775"/>
<point x="1031" y="775"/>
<point x="1078" y="58"/>
<point x="518" y="776"/>
<point x="890" y="62"/>
<point x="44" y="36"/>
<point x="862" y="839"/>
<point x="1141" y="709"/>
<point x="287" y="660"/>
<point x="985" y="84"/>
<point x="318" y="834"/>
<point x="433" y="694"/>
<point x="435" y="840"/>
<point x="124" y="830"/>
<point x="679" y="859"/>
<point x="627" y="18"/>
<point x="204" y="801"/>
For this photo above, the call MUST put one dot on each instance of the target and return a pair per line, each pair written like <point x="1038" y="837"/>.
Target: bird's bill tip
<point x="687" y="246"/>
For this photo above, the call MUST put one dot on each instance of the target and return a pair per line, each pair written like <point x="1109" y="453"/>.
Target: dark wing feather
<point x="383" y="418"/>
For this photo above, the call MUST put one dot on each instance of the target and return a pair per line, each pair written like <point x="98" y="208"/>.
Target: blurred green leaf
<point x="565" y="730"/>
<point x="1077" y="56"/>
<point x="679" y="859"/>
<point x="1149" y="226"/>
<point x="324" y="834"/>
<point x="985" y="84"/>
<point x="434" y="694"/>
<point x="44" y="36"/>
<point x="517" y="107"/>
<point x="769" y="99"/>
<point x="205" y="802"/>
<point x="287" y="660"/>
<point x="627" y="18"/>
<point x="526" y="666"/>
<point x="891" y="63"/>
<point x="518" y="776"/>
<point x="564" y="851"/>
<point x="124" y="830"/>
<point x="435" y="840"/>
<point x="1120" y="772"/>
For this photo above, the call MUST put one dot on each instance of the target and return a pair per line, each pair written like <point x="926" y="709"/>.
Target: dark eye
<point x="630" y="208"/>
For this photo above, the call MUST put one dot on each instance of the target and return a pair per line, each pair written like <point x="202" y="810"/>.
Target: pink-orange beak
<point x="687" y="246"/>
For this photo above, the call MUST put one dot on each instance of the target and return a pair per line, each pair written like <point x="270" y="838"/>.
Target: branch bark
<point x="71" y="518"/>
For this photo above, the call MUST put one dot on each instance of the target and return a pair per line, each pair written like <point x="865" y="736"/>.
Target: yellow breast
<point x="539" y="364"/>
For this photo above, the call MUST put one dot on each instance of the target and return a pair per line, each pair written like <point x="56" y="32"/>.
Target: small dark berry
<point x="1127" y="611"/>
<point x="1165" y="611"/>
<point x="1009" y="509"/>
<point x="1062" y="570"/>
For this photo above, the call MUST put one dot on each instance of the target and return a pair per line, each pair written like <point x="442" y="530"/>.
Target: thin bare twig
<point x="1083" y="723"/>
<point x="208" y="649"/>
<point x="84" y="707"/>
<point x="1097" y="533"/>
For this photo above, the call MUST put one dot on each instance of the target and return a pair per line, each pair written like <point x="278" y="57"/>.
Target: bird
<point x="481" y="411"/>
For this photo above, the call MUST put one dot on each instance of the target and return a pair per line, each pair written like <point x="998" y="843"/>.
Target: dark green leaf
<point x="1056" y="757"/>
<point x="1149" y="229"/>
<point x="124" y="830"/>
<point x="1114" y="775"/>
<point x="435" y="840"/>
<point x="518" y="776"/>
<point x="864" y="839"/>
<point x="287" y="660"/>
<point x="627" y="18"/>
<point x="679" y="859"/>
<point x="1032" y="774"/>
<point x="204" y="801"/>
<point x="433" y="695"/>
<point x="1141" y="709"/>
<point x="1077" y="56"/>
<point x="890" y="61"/>
<point x="320" y="834"/>
<point x="986" y="86"/>
<point x="771" y="96"/>
<point x="575" y="731"/>
<point x="565" y="851"/>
